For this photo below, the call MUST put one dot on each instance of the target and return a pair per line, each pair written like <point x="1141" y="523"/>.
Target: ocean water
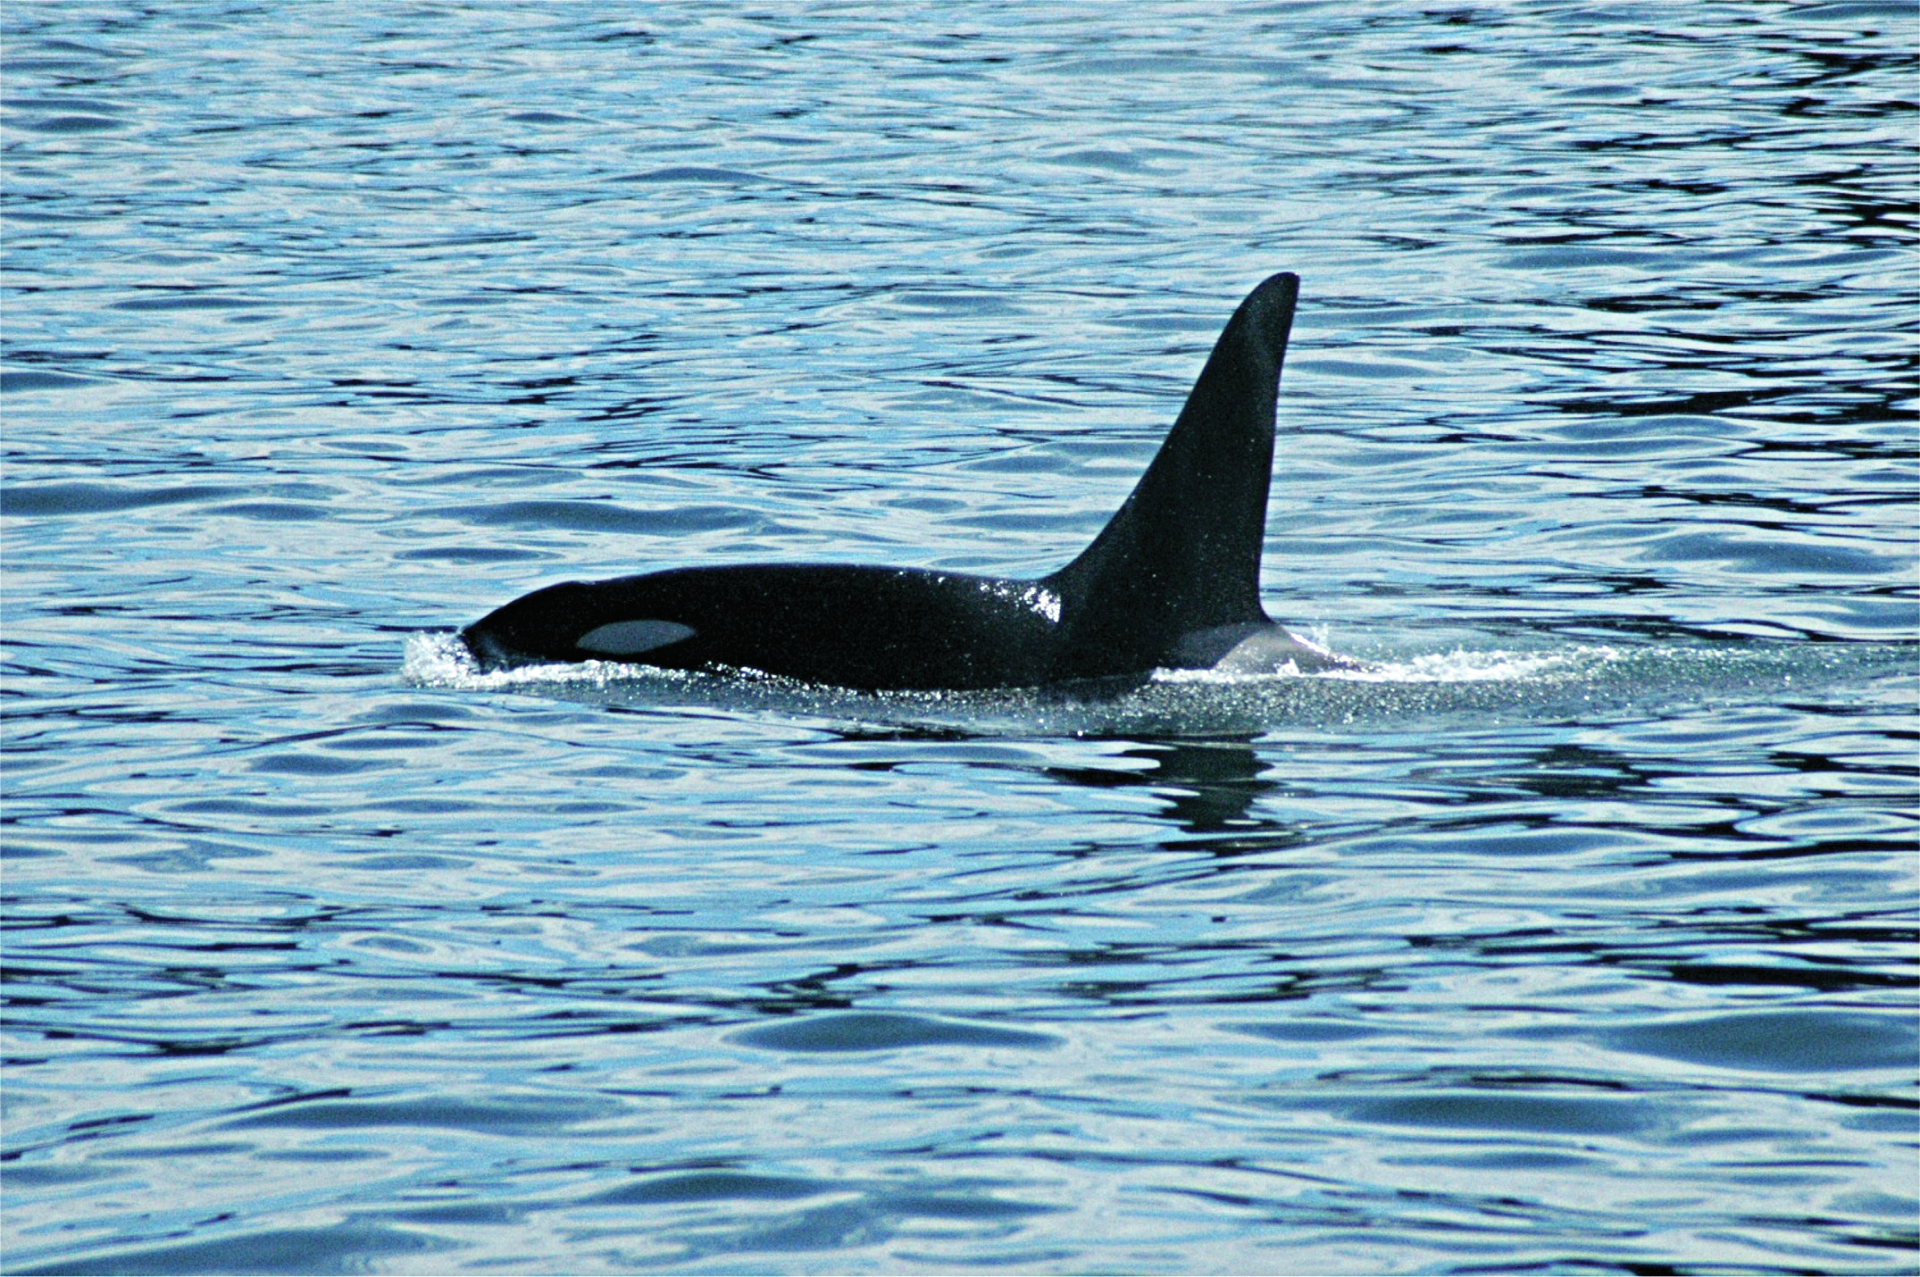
<point x="1576" y="937"/>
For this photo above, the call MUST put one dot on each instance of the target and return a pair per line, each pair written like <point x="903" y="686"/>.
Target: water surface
<point x="1578" y="937"/>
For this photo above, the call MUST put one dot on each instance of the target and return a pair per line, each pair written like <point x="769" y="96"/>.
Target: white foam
<point x="436" y="659"/>
<point x="1220" y="677"/>
<point x="440" y="659"/>
<point x="1457" y="666"/>
<point x="1495" y="666"/>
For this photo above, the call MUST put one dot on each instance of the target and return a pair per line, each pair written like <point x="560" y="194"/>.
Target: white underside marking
<point x="631" y="638"/>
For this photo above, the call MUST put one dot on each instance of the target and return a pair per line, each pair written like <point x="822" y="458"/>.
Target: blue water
<point x="1577" y="937"/>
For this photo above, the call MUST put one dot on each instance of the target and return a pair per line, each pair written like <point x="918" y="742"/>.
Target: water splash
<point x="1480" y="687"/>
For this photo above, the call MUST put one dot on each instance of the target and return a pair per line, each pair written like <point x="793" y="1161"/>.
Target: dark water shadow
<point x="1207" y="786"/>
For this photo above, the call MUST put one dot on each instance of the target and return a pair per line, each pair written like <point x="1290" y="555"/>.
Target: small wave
<point x="1496" y="666"/>
<point x="1458" y="666"/>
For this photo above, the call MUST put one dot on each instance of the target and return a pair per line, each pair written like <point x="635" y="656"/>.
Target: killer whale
<point x="1173" y="581"/>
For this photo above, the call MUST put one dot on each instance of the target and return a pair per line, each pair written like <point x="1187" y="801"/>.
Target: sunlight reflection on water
<point x="1577" y="934"/>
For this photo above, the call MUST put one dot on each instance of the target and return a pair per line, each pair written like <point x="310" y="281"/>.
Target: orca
<point x="1173" y="582"/>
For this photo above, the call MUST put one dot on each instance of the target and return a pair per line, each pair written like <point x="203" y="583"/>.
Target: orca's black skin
<point x="1172" y="582"/>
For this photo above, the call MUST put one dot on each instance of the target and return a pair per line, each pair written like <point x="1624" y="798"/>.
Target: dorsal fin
<point x="1183" y="553"/>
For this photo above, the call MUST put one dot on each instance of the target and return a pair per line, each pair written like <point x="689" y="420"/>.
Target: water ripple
<point x="1577" y="935"/>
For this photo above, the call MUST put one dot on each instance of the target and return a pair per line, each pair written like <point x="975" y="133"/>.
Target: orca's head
<point x="565" y="623"/>
<point x="488" y="651"/>
<point x="536" y="629"/>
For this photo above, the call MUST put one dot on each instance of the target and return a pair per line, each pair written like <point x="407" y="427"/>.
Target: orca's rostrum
<point x="1173" y="582"/>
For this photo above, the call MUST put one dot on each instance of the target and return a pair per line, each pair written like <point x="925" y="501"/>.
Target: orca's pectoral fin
<point x="1183" y="553"/>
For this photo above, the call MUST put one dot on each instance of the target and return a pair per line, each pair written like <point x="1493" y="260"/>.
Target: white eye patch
<point x="631" y="638"/>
